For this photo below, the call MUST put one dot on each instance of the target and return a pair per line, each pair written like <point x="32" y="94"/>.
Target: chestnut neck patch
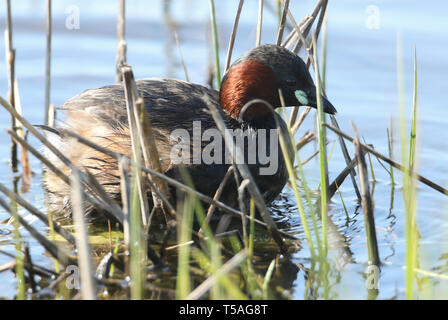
<point x="247" y="81"/>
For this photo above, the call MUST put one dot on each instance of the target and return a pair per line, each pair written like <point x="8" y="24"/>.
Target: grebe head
<point x="259" y="74"/>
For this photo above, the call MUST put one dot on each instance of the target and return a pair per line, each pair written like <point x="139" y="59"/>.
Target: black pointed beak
<point x="309" y="99"/>
<point x="328" y="107"/>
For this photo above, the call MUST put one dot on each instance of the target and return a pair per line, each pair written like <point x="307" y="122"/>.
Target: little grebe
<point x="176" y="106"/>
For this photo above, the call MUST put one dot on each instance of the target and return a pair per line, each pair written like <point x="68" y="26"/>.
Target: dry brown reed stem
<point x="10" y="62"/>
<point x="302" y="37"/>
<point x="296" y="125"/>
<point x="181" y="56"/>
<point x="28" y="264"/>
<point x="307" y="138"/>
<point x="323" y="11"/>
<point x="26" y="167"/>
<point x="82" y="240"/>
<point x="300" y="31"/>
<point x="305" y="24"/>
<point x="8" y="266"/>
<point x="205" y="286"/>
<point x="48" y="64"/>
<point x="245" y="174"/>
<point x="259" y="23"/>
<point x="347" y="158"/>
<point x="121" y="41"/>
<point x="233" y="35"/>
<point x="332" y="117"/>
<point x="149" y="148"/>
<point x="58" y="253"/>
<point x="422" y="179"/>
<point x="340" y="179"/>
<point x="132" y="96"/>
<point x="139" y="118"/>
<point x="367" y="203"/>
<point x="282" y="23"/>
<point x="170" y="181"/>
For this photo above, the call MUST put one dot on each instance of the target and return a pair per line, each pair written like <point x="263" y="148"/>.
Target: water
<point x="361" y="83"/>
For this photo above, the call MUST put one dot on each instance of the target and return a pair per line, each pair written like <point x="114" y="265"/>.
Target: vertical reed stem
<point x="233" y="35"/>
<point x="322" y="152"/>
<point x="121" y="42"/>
<point x="10" y="62"/>
<point x="260" y="22"/>
<point x="281" y="28"/>
<point x="367" y="204"/>
<point x="82" y="240"/>
<point x="215" y="44"/>
<point x="19" y="253"/>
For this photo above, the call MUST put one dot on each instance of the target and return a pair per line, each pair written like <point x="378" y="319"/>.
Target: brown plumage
<point x="100" y="116"/>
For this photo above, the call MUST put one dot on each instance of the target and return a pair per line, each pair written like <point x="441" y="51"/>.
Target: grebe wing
<point x="167" y="101"/>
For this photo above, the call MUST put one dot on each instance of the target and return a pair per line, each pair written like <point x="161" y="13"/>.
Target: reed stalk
<point x="135" y="134"/>
<point x="220" y="276"/>
<point x="183" y="287"/>
<point x="137" y="243"/>
<point x="211" y="241"/>
<point x="282" y="24"/>
<point x="260" y="22"/>
<point x="151" y="156"/>
<point x="10" y="62"/>
<point x="367" y="204"/>
<point x="413" y="135"/>
<point x="409" y="188"/>
<point x="121" y="41"/>
<point x="125" y="200"/>
<point x="251" y="229"/>
<point x="215" y="44"/>
<point x="88" y="291"/>
<point x="19" y="268"/>
<point x="292" y="179"/>
<point x="390" y="148"/>
<point x="322" y="155"/>
<point x="181" y="56"/>
<point x="233" y="35"/>
<point x="28" y="264"/>
<point x="25" y="162"/>
<point x="267" y="279"/>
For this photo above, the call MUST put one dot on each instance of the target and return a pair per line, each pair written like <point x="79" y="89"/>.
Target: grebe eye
<point x="291" y="82"/>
